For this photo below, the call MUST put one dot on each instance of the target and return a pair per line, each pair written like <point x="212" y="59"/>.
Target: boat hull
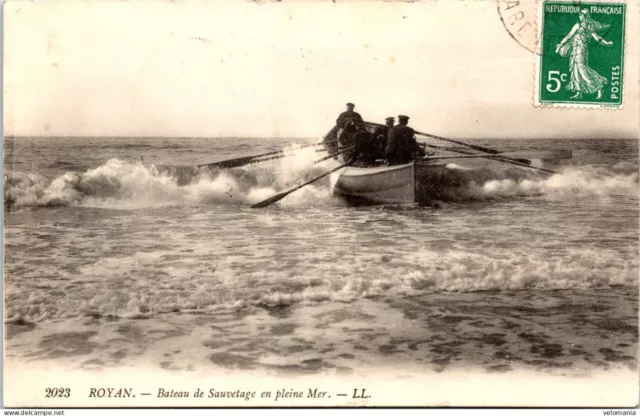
<point x="384" y="184"/>
<point x="401" y="184"/>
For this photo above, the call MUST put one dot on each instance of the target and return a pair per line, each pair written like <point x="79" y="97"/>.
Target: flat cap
<point x="401" y="117"/>
<point x="351" y="104"/>
<point x="390" y="119"/>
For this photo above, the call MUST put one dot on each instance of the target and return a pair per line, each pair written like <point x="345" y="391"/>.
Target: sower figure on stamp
<point x="583" y="78"/>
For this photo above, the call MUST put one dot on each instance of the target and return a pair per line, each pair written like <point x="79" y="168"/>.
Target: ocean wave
<point x="156" y="286"/>
<point x="457" y="183"/>
<point x="125" y="185"/>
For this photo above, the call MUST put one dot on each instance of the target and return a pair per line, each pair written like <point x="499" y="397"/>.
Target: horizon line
<point x="621" y="137"/>
<point x="147" y="137"/>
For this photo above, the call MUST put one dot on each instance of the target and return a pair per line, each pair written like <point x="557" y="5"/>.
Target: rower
<point x="401" y="145"/>
<point x="348" y="115"/>
<point x="365" y="150"/>
<point x="380" y="135"/>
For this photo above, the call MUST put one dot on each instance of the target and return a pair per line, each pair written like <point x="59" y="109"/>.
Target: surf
<point x="119" y="184"/>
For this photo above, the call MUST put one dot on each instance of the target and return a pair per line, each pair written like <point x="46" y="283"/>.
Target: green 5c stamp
<point x="582" y="58"/>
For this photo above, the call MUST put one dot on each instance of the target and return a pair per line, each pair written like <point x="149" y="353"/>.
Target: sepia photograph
<point x="318" y="203"/>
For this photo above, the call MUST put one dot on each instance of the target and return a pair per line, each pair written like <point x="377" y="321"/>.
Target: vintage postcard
<point x="320" y="203"/>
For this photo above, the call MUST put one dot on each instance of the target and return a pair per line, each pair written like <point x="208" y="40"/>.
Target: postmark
<point x="519" y="20"/>
<point x="581" y="63"/>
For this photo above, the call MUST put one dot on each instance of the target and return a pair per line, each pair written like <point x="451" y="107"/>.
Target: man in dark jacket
<point x="365" y="150"/>
<point x="401" y="143"/>
<point x="380" y="135"/>
<point x="348" y="115"/>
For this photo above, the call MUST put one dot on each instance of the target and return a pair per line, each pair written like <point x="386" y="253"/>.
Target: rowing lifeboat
<point x="423" y="180"/>
<point x="382" y="184"/>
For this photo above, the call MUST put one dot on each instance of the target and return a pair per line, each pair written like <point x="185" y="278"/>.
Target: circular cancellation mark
<point x="520" y="20"/>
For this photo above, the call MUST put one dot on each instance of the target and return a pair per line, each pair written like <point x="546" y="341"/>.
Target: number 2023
<point x="57" y="392"/>
<point x="555" y="79"/>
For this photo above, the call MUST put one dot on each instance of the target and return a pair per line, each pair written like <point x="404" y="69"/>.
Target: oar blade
<point x="540" y="154"/>
<point x="231" y="163"/>
<point x="270" y="201"/>
<point x="523" y="161"/>
<point x="515" y="162"/>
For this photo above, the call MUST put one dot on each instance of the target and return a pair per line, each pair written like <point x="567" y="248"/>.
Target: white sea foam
<point x="147" y="284"/>
<point x="120" y="184"/>
<point x="585" y="182"/>
<point x="272" y="258"/>
<point x="581" y="182"/>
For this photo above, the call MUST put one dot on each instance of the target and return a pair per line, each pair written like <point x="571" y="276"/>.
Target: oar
<point x="240" y="161"/>
<point x="280" y="156"/>
<point x="490" y="157"/>
<point x="290" y="153"/>
<point x="479" y="148"/>
<point x="528" y="154"/>
<point x="518" y="162"/>
<point x="540" y="154"/>
<point x="463" y="157"/>
<point x="471" y="146"/>
<point x="281" y="195"/>
<point x="515" y="162"/>
<point x="341" y="151"/>
<point x="317" y="161"/>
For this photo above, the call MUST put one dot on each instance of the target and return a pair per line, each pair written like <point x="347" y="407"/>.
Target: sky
<point x="282" y="69"/>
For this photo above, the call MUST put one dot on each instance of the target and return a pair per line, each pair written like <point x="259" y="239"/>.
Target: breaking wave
<point x="201" y="287"/>
<point x="125" y="185"/>
<point x="456" y="183"/>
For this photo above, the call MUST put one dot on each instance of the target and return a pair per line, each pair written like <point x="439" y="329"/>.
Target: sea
<point x="120" y="253"/>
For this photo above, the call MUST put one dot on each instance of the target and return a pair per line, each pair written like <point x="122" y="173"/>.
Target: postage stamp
<point x="582" y="54"/>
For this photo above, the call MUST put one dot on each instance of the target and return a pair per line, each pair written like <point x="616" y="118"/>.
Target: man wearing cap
<point x="348" y="115"/>
<point x="401" y="143"/>
<point x="366" y="149"/>
<point x="380" y="135"/>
